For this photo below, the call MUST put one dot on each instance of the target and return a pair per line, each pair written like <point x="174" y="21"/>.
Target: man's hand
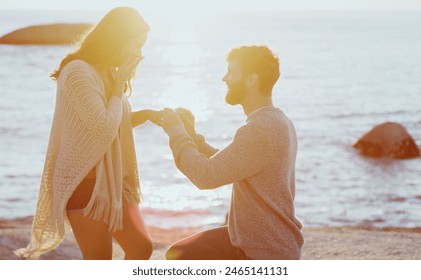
<point x="169" y="119"/>
<point x="188" y="120"/>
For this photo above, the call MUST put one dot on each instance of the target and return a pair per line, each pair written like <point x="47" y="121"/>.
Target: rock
<point x="388" y="140"/>
<point x="51" y="34"/>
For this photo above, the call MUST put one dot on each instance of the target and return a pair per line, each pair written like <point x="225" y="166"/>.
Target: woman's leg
<point x="93" y="237"/>
<point x="134" y="238"/>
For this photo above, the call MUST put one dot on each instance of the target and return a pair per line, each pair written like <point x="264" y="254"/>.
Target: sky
<point x="213" y="6"/>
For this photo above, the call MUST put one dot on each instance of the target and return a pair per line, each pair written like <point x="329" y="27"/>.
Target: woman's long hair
<point x="101" y="46"/>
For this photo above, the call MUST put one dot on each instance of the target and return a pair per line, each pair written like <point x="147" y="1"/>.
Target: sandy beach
<point x="323" y="243"/>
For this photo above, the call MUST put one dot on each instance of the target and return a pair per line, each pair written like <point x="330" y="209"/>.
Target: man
<point x="260" y="162"/>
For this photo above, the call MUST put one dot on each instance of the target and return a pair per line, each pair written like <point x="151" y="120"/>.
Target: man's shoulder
<point x="269" y="120"/>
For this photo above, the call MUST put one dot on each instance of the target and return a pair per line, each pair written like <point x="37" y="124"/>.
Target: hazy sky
<point x="212" y="6"/>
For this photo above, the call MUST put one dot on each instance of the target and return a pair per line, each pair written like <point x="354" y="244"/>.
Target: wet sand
<point x="324" y="243"/>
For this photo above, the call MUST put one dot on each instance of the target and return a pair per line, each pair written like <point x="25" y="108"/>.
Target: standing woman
<point x="90" y="175"/>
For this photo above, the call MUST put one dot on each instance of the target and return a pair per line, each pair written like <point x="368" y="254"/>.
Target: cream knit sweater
<point x="87" y="131"/>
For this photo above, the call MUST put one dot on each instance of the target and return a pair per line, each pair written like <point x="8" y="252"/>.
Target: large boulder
<point x="51" y="34"/>
<point x="388" y="140"/>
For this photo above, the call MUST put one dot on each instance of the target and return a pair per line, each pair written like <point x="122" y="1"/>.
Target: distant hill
<point x="50" y="34"/>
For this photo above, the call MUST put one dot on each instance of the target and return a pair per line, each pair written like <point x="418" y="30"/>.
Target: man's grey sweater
<point x="260" y="162"/>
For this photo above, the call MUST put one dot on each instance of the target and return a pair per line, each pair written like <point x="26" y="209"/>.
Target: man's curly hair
<point x="259" y="60"/>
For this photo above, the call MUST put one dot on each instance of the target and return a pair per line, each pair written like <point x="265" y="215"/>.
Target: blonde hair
<point x="100" y="45"/>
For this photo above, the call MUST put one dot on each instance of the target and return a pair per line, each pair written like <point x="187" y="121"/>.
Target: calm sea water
<point x="342" y="73"/>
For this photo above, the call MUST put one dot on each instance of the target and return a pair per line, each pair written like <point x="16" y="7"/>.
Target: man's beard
<point x="236" y="93"/>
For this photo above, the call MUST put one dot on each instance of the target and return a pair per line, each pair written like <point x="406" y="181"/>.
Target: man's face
<point x="235" y="83"/>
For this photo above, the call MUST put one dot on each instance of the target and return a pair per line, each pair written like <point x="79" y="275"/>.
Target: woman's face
<point x="132" y="49"/>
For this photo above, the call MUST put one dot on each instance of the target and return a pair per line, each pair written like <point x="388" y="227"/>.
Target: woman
<point x="90" y="175"/>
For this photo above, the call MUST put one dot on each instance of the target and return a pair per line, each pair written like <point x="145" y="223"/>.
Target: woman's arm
<point x="140" y="117"/>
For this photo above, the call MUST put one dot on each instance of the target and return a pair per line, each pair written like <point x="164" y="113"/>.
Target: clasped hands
<point x="167" y="119"/>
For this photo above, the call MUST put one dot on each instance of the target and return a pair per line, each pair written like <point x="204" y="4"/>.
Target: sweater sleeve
<point x="245" y="156"/>
<point x="204" y="147"/>
<point x="89" y="123"/>
<point x="87" y="101"/>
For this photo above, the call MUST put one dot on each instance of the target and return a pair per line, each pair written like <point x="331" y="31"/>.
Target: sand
<point x="324" y="243"/>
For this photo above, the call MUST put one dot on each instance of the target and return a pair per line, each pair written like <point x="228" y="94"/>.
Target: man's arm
<point x="189" y="125"/>
<point x="245" y="156"/>
<point x="204" y="147"/>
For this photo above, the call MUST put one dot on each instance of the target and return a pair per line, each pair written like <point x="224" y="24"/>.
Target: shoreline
<point x="321" y="243"/>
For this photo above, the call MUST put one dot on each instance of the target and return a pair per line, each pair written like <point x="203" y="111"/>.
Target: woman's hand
<point x="155" y="117"/>
<point x="140" y="117"/>
<point x="124" y="73"/>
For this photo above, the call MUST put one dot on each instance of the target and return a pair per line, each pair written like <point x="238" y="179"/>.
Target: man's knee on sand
<point x="175" y="253"/>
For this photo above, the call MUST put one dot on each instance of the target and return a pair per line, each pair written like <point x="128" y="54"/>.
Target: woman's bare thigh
<point x="93" y="237"/>
<point x="134" y="238"/>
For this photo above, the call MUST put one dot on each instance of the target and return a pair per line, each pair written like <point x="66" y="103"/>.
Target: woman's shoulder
<point x="78" y="65"/>
<point x="80" y="70"/>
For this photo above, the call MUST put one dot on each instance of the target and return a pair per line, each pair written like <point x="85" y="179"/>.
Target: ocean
<point x="342" y="74"/>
